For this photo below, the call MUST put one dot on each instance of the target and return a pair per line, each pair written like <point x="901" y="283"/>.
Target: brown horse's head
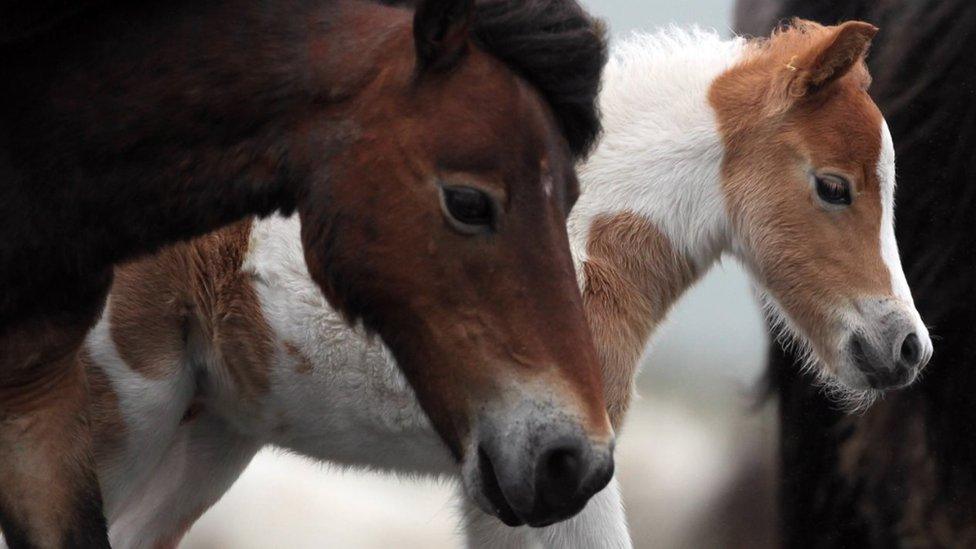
<point x="809" y="180"/>
<point x="438" y="221"/>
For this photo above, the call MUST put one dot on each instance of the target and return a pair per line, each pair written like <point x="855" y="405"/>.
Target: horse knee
<point x="40" y="367"/>
<point x="41" y="385"/>
<point x="46" y="440"/>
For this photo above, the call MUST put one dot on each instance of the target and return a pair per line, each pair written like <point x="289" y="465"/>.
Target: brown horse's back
<point x="23" y="19"/>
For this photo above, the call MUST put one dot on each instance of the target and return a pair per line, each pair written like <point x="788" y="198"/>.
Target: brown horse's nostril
<point x="567" y="474"/>
<point x="542" y="475"/>
<point x="911" y="351"/>
<point x="559" y="475"/>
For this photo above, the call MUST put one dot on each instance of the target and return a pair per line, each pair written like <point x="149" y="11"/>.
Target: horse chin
<point x="846" y="383"/>
<point x="849" y="390"/>
<point x="481" y="485"/>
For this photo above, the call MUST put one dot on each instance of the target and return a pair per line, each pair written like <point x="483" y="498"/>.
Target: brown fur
<point x="632" y="277"/>
<point x="769" y="127"/>
<point x="772" y="118"/>
<point x="193" y="289"/>
<point x="462" y="322"/>
<point x="136" y="125"/>
<point x="44" y="433"/>
<point x="193" y="411"/>
<point x="107" y="422"/>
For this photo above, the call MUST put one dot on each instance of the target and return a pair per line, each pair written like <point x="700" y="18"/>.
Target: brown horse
<point x="429" y="155"/>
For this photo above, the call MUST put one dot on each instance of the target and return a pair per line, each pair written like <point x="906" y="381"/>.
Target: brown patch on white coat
<point x="107" y="421"/>
<point x="193" y="298"/>
<point x="633" y="276"/>
<point x="198" y="288"/>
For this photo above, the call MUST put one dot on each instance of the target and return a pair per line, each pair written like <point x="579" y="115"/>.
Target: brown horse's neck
<point x="142" y="125"/>
<point x="631" y="277"/>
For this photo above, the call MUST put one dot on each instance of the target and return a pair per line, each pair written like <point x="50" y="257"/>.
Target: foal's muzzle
<point x="891" y="346"/>
<point x="537" y="469"/>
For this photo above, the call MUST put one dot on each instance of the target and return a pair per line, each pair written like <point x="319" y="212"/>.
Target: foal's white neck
<point x="651" y="216"/>
<point x="661" y="152"/>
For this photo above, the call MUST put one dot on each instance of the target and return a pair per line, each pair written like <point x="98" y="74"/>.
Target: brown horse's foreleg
<point x="49" y="494"/>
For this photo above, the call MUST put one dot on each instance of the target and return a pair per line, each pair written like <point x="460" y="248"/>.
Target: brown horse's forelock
<point x="558" y="48"/>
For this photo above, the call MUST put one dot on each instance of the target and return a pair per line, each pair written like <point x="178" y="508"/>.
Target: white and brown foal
<point x="769" y="151"/>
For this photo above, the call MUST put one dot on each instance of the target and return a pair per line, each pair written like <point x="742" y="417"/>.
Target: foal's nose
<point x="910" y="353"/>
<point x="892" y="347"/>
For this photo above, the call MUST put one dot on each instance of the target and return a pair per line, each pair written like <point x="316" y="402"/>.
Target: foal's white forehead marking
<point x="889" y="247"/>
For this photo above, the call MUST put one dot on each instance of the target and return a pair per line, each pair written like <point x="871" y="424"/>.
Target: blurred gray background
<point x="695" y="458"/>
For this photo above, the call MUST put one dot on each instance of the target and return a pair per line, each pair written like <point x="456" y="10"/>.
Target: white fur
<point x="152" y="409"/>
<point x="661" y="152"/>
<point x="601" y="524"/>
<point x="354" y="408"/>
<point x="889" y="247"/>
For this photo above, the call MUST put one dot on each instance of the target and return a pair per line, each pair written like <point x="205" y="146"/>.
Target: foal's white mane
<point x="661" y="150"/>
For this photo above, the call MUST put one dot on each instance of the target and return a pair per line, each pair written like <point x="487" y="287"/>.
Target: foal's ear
<point x="830" y="58"/>
<point x="440" y="32"/>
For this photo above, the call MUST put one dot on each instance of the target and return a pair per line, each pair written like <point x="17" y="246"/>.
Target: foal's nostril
<point x="911" y="350"/>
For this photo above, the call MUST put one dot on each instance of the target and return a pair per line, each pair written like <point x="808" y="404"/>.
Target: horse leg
<point x="602" y="523"/>
<point x="49" y="493"/>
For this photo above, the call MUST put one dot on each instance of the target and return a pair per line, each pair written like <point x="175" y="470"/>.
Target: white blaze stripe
<point x="889" y="247"/>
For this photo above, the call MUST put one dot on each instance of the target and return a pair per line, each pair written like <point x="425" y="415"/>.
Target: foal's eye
<point x="469" y="210"/>
<point x="833" y="189"/>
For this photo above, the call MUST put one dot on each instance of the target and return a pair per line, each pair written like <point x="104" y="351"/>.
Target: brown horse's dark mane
<point x="558" y="48"/>
<point x="553" y="44"/>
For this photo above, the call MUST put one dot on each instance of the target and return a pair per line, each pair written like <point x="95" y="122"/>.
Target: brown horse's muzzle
<point x="535" y="464"/>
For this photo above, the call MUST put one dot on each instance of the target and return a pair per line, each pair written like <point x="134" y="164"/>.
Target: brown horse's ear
<point x="440" y="32"/>
<point x="830" y="58"/>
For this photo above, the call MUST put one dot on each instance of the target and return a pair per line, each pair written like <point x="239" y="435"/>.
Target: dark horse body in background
<point x="413" y="146"/>
<point x="903" y="473"/>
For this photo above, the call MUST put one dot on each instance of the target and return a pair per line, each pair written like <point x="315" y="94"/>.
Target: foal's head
<point x="439" y="219"/>
<point x="809" y="179"/>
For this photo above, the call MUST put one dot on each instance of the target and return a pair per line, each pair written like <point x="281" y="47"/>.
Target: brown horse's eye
<point x="833" y="189"/>
<point x="468" y="209"/>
